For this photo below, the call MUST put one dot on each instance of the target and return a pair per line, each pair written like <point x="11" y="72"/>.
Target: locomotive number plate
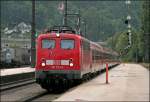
<point x="49" y="62"/>
<point x="64" y="62"/>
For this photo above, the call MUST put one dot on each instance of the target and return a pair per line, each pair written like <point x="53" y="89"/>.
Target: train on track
<point x="64" y="57"/>
<point x="14" y="57"/>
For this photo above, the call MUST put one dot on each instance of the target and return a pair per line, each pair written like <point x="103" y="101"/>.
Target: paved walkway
<point x="4" y="72"/>
<point x="127" y="82"/>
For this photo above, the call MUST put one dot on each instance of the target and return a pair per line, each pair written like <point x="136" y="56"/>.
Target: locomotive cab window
<point x="50" y="44"/>
<point x="67" y="44"/>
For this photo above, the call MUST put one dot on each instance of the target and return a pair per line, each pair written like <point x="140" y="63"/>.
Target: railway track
<point x="15" y="84"/>
<point x="30" y="91"/>
<point x="44" y="96"/>
<point x="31" y="98"/>
<point x="19" y="83"/>
<point x="27" y="93"/>
<point x="47" y="96"/>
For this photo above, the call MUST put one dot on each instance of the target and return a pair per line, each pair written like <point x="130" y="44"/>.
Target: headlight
<point x="43" y="64"/>
<point x="71" y="64"/>
<point x="57" y="34"/>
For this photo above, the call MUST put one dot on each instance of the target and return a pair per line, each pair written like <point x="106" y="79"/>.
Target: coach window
<point x="67" y="44"/>
<point x="48" y="43"/>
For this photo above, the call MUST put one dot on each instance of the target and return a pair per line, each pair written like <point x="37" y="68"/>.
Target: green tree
<point x="145" y="46"/>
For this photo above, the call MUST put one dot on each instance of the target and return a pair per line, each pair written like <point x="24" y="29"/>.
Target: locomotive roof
<point x="60" y="29"/>
<point x="60" y="34"/>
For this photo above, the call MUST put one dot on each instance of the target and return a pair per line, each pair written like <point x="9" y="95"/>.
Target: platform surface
<point x="127" y="82"/>
<point x="4" y="72"/>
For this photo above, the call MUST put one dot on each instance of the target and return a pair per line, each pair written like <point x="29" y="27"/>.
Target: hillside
<point x="103" y="18"/>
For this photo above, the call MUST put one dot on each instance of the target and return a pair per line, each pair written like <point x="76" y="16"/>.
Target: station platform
<point x="127" y="82"/>
<point x="6" y="72"/>
<point x="16" y="74"/>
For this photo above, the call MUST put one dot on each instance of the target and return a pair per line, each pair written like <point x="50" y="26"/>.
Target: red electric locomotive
<point x="63" y="56"/>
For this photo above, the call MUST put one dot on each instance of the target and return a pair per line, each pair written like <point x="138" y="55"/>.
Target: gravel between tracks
<point x="27" y="93"/>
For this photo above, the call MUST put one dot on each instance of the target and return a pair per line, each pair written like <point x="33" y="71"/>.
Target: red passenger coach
<point x="66" y="57"/>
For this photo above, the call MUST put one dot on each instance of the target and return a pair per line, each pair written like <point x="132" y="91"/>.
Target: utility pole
<point x="84" y="24"/>
<point x="65" y="14"/>
<point x="33" y="50"/>
<point x="85" y="28"/>
<point x="0" y="45"/>
<point x="0" y="37"/>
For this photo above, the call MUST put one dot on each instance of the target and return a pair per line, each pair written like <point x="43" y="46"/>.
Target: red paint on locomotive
<point x="59" y="58"/>
<point x="70" y="57"/>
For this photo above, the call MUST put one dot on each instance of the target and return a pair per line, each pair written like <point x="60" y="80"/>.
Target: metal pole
<point x="112" y="43"/>
<point x="106" y="73"/>
<point x="33" y="51"/>
<point x="79" y="22"/>
<point x="85" y="29"/>
<point x="0" y="46"/>
<point x="0" y="39"/>
<point x="129" y="14"/>
<point x="65" y="14"/>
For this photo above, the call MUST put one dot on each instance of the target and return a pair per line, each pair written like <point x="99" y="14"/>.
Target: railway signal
<point x="127" y="33"/>
<point x="128" y="17"/>
<point x="127" y="21"/>
<point x="128" y="2"/>
<point x="130" y="38"/>
<point x="36" y="34"/>
<point x="129" y="26"/>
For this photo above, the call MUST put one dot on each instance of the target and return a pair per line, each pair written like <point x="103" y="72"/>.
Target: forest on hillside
<point x="104" y="22"/>
<point x="103" y="18"/>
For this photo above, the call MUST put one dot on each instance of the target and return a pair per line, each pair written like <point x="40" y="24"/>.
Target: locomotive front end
<point x="57" y="59"/>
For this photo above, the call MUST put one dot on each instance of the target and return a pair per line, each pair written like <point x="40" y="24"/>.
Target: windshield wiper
<point x="50" y="47"/>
